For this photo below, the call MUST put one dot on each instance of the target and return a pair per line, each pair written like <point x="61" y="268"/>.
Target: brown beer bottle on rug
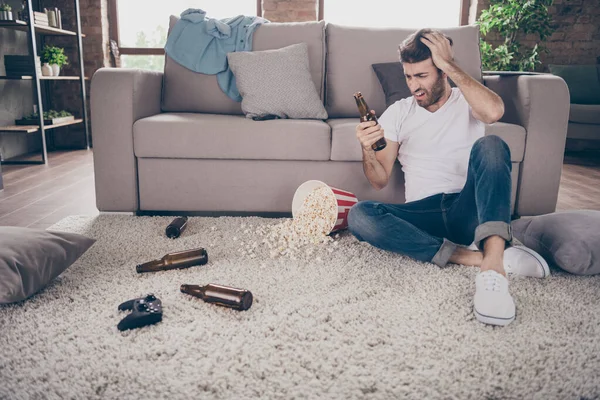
<point x="177" y="260"/>
<point x="176" y="227"/>
<point x="238" y="299"/>
<point x="367" y="115"/>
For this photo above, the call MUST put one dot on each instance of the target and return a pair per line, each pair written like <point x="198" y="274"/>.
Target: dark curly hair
<point x="412" y="50"/>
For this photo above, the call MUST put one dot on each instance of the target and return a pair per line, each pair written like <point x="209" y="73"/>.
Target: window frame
<point x="113" y="17"/>
<point x="113" y="20"/>
<point x="463" y="18"/>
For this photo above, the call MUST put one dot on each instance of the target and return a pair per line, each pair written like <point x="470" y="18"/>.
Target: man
<point x="458" y="182"/>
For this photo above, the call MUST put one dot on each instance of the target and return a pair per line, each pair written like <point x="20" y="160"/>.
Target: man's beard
<point x="437" y="91"/>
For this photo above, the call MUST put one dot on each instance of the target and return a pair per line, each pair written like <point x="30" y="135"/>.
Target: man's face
<point x="425" y="81"/>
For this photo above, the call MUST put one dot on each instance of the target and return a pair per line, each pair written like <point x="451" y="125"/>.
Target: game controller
<point x="146" y="311"/>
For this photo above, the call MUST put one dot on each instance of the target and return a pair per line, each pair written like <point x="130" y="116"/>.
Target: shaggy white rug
<point x="359" y="324"/>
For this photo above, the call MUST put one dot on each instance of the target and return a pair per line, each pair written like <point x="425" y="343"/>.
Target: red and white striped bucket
<point x="345" y="200"/>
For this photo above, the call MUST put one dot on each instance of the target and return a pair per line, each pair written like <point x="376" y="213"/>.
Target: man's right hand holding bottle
<point x="377" y="165"/>
<point x="368" y="133"/>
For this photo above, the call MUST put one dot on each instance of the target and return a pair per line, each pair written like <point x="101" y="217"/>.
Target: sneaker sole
<point x="543" y="263"/>
<point x="486" y="319"/>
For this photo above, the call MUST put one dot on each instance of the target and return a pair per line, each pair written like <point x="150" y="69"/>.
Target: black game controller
<point x="146" y="311"/>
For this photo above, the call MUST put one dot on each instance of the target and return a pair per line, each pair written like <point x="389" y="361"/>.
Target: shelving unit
<point x="34" y="31"/>
<point x="46" y="30"/>
<point x="35" y="128"/>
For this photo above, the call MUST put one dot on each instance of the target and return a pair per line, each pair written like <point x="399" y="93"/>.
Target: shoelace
<point x="491" y="283"/>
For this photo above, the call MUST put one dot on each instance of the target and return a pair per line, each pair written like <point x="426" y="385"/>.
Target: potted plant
<point x="51" y="117"/>
<point x="5" y="12"/>
<point x="55" y="58"/>
<point x="514" y="21"/>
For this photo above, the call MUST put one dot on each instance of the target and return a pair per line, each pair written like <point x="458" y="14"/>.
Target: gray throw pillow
<point x="276" y="83"/>
<point x="568" y="239"/>
<point x="393" y="83"/>
<point x="31" y="258"/>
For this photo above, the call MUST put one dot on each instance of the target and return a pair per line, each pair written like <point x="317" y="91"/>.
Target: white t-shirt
<point x="434" y="147"/>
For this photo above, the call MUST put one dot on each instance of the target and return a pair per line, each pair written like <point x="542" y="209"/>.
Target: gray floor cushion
<point x="31" y="258"/>
<point x="568" y="239"/>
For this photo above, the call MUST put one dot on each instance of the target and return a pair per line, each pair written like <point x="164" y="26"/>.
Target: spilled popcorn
<point x="296" y="238"/>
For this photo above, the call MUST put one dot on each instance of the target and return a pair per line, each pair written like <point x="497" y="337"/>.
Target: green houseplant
<point x="55" y="57"/>
<point x="513" y="20"/>
<point x="50" y="117"/>
<point x="5" y="12"/>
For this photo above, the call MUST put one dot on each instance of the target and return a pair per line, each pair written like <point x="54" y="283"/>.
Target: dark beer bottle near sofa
<point x="176" y="227"/>
<point x="367" y="115"/>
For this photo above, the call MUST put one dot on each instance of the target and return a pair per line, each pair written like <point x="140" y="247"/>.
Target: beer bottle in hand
<point x="238" y="299"/>
<point x="180" y="259"/>
<point x="367" y="115"/>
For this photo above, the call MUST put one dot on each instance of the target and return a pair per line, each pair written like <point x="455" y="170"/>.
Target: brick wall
<point x="290" y="10"/>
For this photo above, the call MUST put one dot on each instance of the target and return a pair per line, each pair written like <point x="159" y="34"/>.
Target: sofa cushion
<point x="583" y="131"/>
<point x="352" y="50"/>
<point x="345" y="145"/>
<point x="585" y="113"/>
<point x="277" y="82"/>
<point x="181" y="135"/>
<point x="188" y="91"/>
<point x="582" y="80"/>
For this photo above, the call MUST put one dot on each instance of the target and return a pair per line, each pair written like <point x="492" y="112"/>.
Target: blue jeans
<point x="431" y="229"/>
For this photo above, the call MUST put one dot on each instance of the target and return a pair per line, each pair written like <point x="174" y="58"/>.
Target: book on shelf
<point x="53" y="17"/>
<point x="40" y="18"/>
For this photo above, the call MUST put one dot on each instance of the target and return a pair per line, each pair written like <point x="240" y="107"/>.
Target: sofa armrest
<point x="119" y="97"/>
<point x="540" y="104"/>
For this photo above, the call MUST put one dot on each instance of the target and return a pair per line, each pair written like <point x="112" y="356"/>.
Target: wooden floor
<point x="38" y="196"/>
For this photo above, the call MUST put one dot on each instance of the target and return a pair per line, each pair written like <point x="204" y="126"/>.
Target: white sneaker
<point x="520" y="260"/>
<point x="493" y="304"/>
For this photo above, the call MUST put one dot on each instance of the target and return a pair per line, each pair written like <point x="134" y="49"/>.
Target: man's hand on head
<point x="441" y="50"/>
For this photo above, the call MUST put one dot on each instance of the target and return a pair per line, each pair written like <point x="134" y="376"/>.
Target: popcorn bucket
<point x="345" y="200"/>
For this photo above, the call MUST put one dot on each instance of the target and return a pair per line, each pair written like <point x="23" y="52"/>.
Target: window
<point x="397" y="13"/>
<point x="140" y="26"/>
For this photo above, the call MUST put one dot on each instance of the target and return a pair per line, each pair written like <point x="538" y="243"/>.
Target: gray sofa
<point x="584" y="122"/>
<point x="173" y="142"/>
<point x="584" y="125"/>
